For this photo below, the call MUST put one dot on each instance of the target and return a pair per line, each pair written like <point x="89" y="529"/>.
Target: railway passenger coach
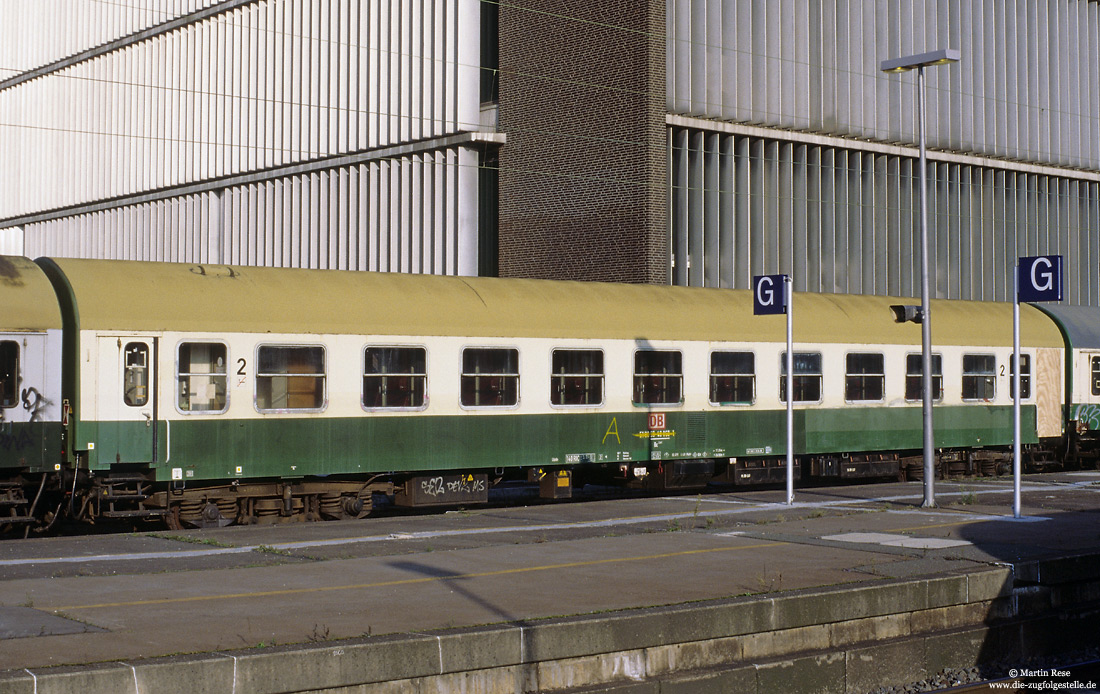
<point x="1080" y="326"/>
<point x="31" y="435"/>
<point x="209" y="395"/>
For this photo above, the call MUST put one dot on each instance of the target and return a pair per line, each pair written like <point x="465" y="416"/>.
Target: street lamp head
<point x="910" y="62"/>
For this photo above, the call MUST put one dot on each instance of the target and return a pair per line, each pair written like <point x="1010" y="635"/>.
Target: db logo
<point x="656" y="421"/>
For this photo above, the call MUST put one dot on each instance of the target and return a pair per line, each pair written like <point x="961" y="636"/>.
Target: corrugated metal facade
<point x="395" y="215"/>
<point x="243" y="89"/>
<point x="840" y="216"/>
<point x="842" y="220"/>
<point x="87" y="24"/>
<point x="1027" y="86"/>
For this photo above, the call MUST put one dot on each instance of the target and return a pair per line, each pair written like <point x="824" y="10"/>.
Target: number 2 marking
<point x="240" y="371"/>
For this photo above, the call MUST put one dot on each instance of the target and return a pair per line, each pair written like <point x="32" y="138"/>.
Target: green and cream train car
<point x="1080" y="326"/>
<point x="31" y="435"/>
<point x="210" y="394"/>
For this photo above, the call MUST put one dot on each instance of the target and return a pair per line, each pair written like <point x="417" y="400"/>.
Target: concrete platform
<point x="849" y="589"/>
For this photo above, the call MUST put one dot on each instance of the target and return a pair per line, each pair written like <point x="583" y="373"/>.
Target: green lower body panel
<point x="1088" y="414"/>
<point x="220" y="448"/>
<point x="30" y="446"/>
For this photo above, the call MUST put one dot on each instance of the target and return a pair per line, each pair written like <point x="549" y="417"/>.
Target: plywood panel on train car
<point x="1048" y="392"/>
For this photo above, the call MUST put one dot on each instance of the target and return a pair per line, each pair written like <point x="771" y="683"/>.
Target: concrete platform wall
<point x="848" y="639"/>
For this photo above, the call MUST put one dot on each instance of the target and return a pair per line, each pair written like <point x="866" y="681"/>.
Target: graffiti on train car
<point x="14" y="440"/>
<point x="1089" y="414"/>
<point x="35" y="403"/>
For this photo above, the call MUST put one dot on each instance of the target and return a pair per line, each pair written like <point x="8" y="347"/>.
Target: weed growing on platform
<point x="265" y="549"/>
<point x="261" y="644"/>
<point x="189" y="539"/>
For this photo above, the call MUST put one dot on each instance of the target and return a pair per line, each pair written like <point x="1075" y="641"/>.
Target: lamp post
<point x="919" y="62"/>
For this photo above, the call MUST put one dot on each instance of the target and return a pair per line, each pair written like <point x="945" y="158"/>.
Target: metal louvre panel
<point x="263" y="84"/>
<point x="91" y="24"/>
<point x="843" y="220"/>
<point x="1026" y="88"/>
<point x="403" y="214"/>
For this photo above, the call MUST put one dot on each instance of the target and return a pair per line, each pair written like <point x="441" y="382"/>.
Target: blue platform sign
<point x="1040" y="278"/>
<point x="769" y="294"/>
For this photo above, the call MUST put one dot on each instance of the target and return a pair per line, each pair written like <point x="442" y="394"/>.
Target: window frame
<point x="555" y="377"/>
<point x="258" y="375"/>
<point x="713" y="375"/>
<point x="820" y="375"/>
<point x="1094" y="374"/>
<point x="1026" y="391"/>
<point x="992" y="376"/>
<point x="147" y="351"/>
<point x="880" y="375"/>
<point x="363" y="376"/>
<point x="635" y="375"/>
<point x="14" y="377"/>
<point x="918" y="375"/>
<point x="462" y="375"/>
<point x="224" y="375"/>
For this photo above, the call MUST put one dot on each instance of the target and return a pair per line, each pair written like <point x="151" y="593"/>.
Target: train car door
<point x="126" y="399"/>
<point x="1092" y="390"/>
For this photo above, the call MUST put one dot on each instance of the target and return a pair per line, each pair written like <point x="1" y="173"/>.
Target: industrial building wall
<point x="271" y="117"/>
<point x="583" y="176"/>
<point x="402" y="214"/>
<point x="843" y="219"/>
<point x="790" y="151"/>
<point x="86" y="25"/>
<point x="1027" y="85"/>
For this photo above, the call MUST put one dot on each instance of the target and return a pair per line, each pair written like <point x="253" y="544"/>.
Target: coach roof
<point x="27" y="301"/>
<point x="143" y="296"/>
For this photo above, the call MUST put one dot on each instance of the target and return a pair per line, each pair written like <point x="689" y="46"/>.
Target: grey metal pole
<point x="926" y="310"/>
<point x="789" y="289"/>
<point x="1016" y="465"/>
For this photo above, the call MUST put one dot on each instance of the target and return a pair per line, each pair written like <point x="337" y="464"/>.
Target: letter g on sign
<point x="1039" y="278"/>
<point x="769" y="293"/>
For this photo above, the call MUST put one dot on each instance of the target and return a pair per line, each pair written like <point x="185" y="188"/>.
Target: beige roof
<point x="127" y="295"/>
<point x="27" y="301"/>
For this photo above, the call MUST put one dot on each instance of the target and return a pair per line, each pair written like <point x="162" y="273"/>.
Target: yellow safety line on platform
<point x="407" y="581"/>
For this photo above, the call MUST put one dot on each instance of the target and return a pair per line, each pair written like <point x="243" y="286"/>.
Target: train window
<point x="864" y="377"/>
<point x="1096" y="375"/>
<point x="9" y="373"/>
<point x="807" y="377"/>
<point x="979" y="378"/>
<point x="577" y="377"/>
<point x="658" y="377"/>
<point x="1025" y="376"/>
<point x="732" y="378"/>
<point x="290" y="378"/>
<point x="490" y="377"/>
<point x="913" y="372"/>
<point x="201" y="377"/>
<point x="394" y="377"/>
<point x="135" y="389"/>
